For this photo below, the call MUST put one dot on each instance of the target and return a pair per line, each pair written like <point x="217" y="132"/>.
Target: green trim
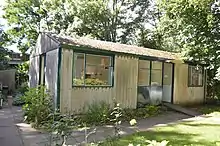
<point x="58" y="76"/>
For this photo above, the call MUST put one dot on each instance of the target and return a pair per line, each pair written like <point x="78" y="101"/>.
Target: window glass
<point x="156" y="73"/>
<point x="92" y="70"/>
<point x="78" y="69"/>
<point x="195" y="76"/>
<point x="144" y="73"/>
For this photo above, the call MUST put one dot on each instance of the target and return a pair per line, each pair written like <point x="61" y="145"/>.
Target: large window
<point x="195" y="76"/>
<point x="92" y="70"/>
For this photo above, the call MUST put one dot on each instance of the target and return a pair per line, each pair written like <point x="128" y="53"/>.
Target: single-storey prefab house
<point x="80" y="71"/>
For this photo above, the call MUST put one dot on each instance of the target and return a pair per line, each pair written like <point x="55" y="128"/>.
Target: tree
<point x="192" y="27"/>
<point x="101" y="19"/>
<point x="3" y="50"/>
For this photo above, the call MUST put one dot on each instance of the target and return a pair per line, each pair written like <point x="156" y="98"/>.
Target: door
<point x="167" y="82"/>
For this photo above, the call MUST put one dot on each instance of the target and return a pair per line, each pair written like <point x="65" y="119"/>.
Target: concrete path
<point x="181" y="109"/>
<point x="9" y="133"/>
<point x="13" y="132"/>
<point x="32" y="137"/>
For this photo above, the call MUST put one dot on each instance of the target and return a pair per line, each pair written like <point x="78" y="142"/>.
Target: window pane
<point x="195" y="76"/>
<point x="156" y="77"/>
<point x="144" y="73"/>
<point x="143" y="77"/>
<point x="144" y="64"/>
<point x="98" y="70"/>
<point x="156" y="73"/>
<point x="78" y="69"/>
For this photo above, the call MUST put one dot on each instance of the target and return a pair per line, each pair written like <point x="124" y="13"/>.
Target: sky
<point x="3" y="22"/>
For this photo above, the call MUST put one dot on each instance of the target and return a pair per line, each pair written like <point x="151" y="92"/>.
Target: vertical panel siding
<point x="81" y="97"/>
<point x="124" y="90"/>
<point x="126" y="74"/>
<point x="66" y="80"/>
<point x="182" y="93"/>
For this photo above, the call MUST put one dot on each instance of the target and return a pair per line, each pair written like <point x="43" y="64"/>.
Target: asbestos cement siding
<point x="182" y="93"/>
<point x="126" y="76"/>
<point x="51" y="73"/>
<point x="44" y="44"/>
<point x="66" y="80"/>
<point x="34" y="71"/>
<point x="81" y="97"/>
<point x="124" y="89"/>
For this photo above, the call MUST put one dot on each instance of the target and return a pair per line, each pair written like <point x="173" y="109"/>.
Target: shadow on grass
<point x="174" y="138"/>
<point x="200" y="124"/>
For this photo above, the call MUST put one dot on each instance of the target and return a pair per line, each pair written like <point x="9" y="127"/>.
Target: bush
<point x="18" y="100"/>
<point x="37" y="105"/>
<point x="23" y="88"/>
<point x="97" y="114"/>
<point x="140" y="113"/>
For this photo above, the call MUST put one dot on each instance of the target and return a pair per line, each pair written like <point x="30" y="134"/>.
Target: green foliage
<point x="61" y="125"/>
<point x="22" y="73"/>
<point x="38" y="105"/>
<point x="96" y="114"/>
<point x="3" y="51"/>
<point x="141" y="113"/>
<point x="18" y="100"/>
<point x="153" y="143"/>
<point x="103" y="20"/>
<point x="23" y="88"/>
<point x="89" y="82"/>
<point x="116" y="116"/>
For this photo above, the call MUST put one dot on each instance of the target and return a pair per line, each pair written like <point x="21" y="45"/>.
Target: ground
<point x="178" y="129"/>
<point x="197" y="131"/>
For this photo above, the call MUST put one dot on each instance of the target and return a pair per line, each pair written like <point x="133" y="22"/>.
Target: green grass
<point x="207" y="109"/>
<point x="204" y="131"/>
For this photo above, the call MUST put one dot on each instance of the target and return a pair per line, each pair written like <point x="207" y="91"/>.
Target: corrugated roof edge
<point x="113" y="47"/>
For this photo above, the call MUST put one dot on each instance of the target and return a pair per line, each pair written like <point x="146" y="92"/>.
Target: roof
<point x="115" y="47"/>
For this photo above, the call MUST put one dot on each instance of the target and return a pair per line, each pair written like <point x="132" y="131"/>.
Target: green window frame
<point x="83" y="66"/>
<point x="195" y="76"/>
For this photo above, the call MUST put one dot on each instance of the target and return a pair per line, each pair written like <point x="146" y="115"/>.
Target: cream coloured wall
<point x="124" y="90"/>
<point x="182" y="93"/>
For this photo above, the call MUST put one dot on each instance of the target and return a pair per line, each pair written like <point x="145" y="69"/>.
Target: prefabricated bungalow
<point x="80" y="71"/>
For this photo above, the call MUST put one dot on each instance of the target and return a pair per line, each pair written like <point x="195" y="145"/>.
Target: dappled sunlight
<point x="200" y="131"/>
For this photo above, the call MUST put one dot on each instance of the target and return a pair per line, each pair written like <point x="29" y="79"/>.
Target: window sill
<point x="98" y="86"/>
<point x="195" y="86"/>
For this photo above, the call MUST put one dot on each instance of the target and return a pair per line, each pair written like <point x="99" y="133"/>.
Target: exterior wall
<point x="124" y="89"/>
<point x="34" y="71"/>
<point x="44" y="44"/>
<point x="182" y="93"/>
<point x="51" y="74"/>
<point x="7" y="78"/>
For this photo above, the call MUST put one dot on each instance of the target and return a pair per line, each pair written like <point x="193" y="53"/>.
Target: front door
<point x="167" y="82"/>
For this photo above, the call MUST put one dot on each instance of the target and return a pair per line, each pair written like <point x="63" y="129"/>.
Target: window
<point x="92" y="70"/>
<point x="195" y="76"/>
<point x="144" y="73"/>
<point x="156" y="73"/>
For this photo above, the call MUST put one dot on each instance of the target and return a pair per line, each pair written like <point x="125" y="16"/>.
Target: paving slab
<point x="9" y="134"/>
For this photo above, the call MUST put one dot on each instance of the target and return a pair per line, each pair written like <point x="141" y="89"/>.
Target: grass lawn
<point x="200" y="131"/>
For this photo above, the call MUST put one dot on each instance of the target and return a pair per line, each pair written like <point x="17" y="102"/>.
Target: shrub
<point x="140" y="113"/>
<point x="97" y="114"/>
<point x="18" y="100"/>
<point x="37" y="105"/>
<point x="23" y="88"/>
